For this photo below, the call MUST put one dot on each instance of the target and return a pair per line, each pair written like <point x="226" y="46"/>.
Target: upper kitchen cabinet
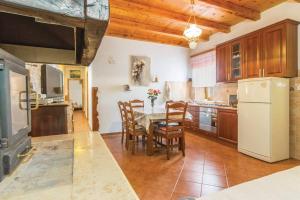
<point x="229" y="61"/>
<point x="236" y="60"/>
<point x="223" y="62"/>
<point x="279" y="48"/>
<point x="252" y="55"/>
<point x="269" y="52"/>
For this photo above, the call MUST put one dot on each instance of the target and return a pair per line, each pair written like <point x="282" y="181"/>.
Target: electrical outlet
<point x="297" y="87"/>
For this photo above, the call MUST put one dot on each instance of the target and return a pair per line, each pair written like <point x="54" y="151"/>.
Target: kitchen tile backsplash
<point x="220" y="92"/>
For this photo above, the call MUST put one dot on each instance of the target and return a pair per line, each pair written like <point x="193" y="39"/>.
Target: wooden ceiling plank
<point x="151" y="28"/>
<point x="117" y="30"/>
<point x="131" y="7"/>
<point x="235" y="9"/>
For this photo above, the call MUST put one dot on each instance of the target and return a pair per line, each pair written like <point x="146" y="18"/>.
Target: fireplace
<point x="15" y="112"/>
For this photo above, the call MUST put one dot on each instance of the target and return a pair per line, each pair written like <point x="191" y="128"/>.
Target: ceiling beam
<point x="151" y="28"/>
<point x="235" y="9"/>
<point x="131" y="7"/>
<point x="117" y="30"/>
<point x="42" y="14"/>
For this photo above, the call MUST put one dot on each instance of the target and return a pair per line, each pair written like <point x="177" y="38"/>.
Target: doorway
<point x="76" y="93"/>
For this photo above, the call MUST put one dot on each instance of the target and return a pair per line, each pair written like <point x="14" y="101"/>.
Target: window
<point x="204" y="69"/>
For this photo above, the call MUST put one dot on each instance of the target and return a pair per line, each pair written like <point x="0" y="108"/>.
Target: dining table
<point x="148" y="117"/>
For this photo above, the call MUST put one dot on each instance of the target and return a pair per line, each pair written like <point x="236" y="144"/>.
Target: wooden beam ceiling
<point x="152" y="28"/>
<point x="131" y="6"/>
<point x="144" y="35"/>
<point x="234" y="9"/>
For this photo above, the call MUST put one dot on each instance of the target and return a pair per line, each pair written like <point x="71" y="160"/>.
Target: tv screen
<point x="52" y="81"/>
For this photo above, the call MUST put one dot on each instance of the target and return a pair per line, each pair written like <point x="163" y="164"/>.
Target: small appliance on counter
<point x="263" y="118"/>
<point x="232" y="100"/>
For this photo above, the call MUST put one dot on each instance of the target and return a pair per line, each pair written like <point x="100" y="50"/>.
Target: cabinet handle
<point x="263" y="72"/>
<point x="259" y="72"/>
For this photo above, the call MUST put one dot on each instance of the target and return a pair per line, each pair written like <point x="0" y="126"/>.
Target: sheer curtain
<point x="204" y="69"/>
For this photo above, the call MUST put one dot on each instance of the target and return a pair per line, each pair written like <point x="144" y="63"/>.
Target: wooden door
<point x="274" y="50"/>
<point x="228" y="125"/>
<point x="252" y="56"/>
<point x="222" y="60"/>
<point x="236" y="61"/>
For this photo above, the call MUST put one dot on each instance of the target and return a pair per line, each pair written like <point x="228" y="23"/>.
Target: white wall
<point x="287" y="10"/>
<point x="111" y="68"/>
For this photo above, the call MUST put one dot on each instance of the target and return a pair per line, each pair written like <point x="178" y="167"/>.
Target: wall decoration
<point x="75" y="74"/>
<point x="140" y="70"/>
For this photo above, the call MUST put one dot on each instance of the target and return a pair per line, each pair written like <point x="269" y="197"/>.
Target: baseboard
<point x="110" y="134"/>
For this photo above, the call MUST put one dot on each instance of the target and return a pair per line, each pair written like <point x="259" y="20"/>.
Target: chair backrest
<point x="130" y="119"/>
<point x="176" y="112"/>
<point x="122" y="110"/>
<point x="136" y="103"/>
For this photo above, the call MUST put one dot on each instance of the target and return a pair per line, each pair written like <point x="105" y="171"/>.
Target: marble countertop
<point x="95" y="175"/>
<point x="213" y="106"/>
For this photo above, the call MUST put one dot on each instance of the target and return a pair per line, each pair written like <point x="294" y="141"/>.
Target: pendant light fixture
<point x="192" y="31"/>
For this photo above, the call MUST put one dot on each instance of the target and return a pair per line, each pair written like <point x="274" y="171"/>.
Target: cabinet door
<point x="236" y="61"/>
<point x="222" y="56"/>
<point x="252" y="56"/>
<point x="274" y="51"/>
<point x="227" y="125"/>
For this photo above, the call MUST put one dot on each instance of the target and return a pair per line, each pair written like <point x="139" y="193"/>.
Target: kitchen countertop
<point x="95" y="174"/>
<point x="213" y="106"/>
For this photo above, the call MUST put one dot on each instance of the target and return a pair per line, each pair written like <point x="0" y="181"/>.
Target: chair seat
<point x="163" y="131"/>
<point x="163" y="123"/>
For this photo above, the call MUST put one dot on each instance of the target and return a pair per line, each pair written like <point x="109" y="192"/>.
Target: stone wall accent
<point x="295" y="118"/>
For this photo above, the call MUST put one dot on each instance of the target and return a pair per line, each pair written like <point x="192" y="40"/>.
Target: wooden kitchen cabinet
<point x="223" y="62"/>
<point x="236" y="61"/>
<point x="228" y="125"/>
<point x="230" y="61"/>
<point x="268" y="52"/>
<point x="194" y="123"/>
<point x="252" y="55"/>
<point x="279" y="45"/>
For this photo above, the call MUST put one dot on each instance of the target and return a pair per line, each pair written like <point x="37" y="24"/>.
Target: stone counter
<point x="92" y="173"/>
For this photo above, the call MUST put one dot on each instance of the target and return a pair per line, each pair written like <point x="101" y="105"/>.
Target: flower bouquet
<point x="152" y="95"/>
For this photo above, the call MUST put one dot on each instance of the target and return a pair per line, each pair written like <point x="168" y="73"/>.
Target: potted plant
<point x="152" y="95"/>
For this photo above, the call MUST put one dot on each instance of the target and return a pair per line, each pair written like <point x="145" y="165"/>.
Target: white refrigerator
<point x="263" y="118"/>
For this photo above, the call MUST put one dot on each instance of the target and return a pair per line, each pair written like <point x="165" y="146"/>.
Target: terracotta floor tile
<point x="194" y="166"/>
<point x="155" y="177"/>
<point x="178" y="196"/>
<point x="214" y="180"/>
<point x="188" y="188"/>
<point x="191" y="176"/>
<point x="208" y="189"/>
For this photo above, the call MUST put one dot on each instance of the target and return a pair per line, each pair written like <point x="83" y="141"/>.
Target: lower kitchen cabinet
<point x="228" y="125"/>
<point x="194" y="123"/>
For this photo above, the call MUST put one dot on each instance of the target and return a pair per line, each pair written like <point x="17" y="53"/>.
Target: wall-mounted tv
<point x="52" y="81"/>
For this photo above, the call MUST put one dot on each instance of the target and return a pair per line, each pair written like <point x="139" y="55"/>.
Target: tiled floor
<point x="208" y="166"/>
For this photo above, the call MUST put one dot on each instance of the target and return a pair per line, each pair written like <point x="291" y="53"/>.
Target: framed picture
<point x="75" y="74"/>
<point x="140" y="70"/>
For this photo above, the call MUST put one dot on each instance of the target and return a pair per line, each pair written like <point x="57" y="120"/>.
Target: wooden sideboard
<point x="268" y="52"/>
<point x="49" y="119"/>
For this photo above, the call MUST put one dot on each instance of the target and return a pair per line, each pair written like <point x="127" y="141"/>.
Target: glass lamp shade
<point x="193" y="31"/>
<point x="193" y="44"/>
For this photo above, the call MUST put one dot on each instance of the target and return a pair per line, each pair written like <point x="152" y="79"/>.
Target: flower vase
<point x="152" y="103"/>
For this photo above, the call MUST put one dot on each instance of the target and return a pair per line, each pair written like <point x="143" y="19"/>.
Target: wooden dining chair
<point x="134" y="130"/>
<point x="174" y="127"/>
<point x="136" y="103"/>
<point x="123" y="118"/>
